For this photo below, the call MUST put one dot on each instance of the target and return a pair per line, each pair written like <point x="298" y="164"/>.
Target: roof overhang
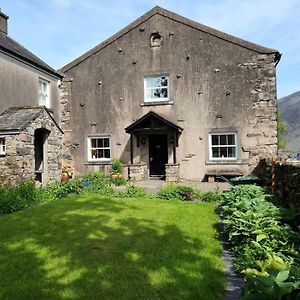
<point x="147" y="124"/>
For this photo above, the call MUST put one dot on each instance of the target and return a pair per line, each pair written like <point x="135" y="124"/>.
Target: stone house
<point x="170" y="97"/>
<point x="29" y="116"/>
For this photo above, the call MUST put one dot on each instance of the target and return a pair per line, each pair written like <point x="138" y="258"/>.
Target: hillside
<point x="290" y="110"/>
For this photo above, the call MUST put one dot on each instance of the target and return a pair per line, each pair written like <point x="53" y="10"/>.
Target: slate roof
<point x="151" y="114"/>
<point x="15" y="119"/>
<point x="11" y="47"/>
<point x="177" y="18"/>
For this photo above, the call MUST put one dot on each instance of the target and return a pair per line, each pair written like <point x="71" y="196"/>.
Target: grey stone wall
<point x="262" y="127"/>
<point x="172" y="172"/>
<point x="137" y="171"/>
<point x="19" y="162"/>
<point x="68" y="143"/>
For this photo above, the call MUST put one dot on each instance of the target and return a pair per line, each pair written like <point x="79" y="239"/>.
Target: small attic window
<point x="155" y="39"/>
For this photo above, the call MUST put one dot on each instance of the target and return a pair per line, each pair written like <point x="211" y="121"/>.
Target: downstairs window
<point x="222" y="146"/>
<point x="98" y="148"/>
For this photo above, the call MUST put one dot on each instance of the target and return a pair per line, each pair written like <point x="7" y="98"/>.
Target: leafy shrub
<point x="96" y="181"/>
<point x="118" y="181"/>
<point x="186" y="193"/>
<point x="255" y="227"/>
<point x="134" y="191"/>
<point x="210" y="197"/>
<point x="272" y="279"/>
<point x="58" y="190"/>
<point x="17" y="198"/>
<point x="176" y="192"/>
<point x="116" y="166"/>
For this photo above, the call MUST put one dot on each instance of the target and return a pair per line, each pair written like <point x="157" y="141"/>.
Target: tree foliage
<point x="282" y="140"/>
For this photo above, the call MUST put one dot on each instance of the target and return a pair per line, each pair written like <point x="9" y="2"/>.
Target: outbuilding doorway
<point x="40" y="151"/>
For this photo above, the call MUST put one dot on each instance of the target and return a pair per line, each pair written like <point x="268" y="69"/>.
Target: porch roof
<point x="145" y="123"/>
<point x="15" y="119"/>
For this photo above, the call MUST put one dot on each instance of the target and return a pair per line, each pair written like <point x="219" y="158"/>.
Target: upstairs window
<point x="98" y="148"/>
<point x="156" y="88"/>
<point x="44" y="92"/>
<point x="223" y="146"/>
<point x="2" y="146"/>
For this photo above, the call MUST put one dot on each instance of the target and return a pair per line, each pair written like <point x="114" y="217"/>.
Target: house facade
<point x="170" y="97"/>
<point x="30" y="136"/>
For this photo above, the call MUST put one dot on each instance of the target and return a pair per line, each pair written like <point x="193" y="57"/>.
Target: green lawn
<point x="95" y="247"/>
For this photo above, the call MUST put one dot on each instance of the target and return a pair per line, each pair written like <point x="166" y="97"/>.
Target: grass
<point x="95" y="247"/>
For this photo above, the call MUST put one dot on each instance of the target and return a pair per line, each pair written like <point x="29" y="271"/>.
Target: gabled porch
<point x="153" y="143"/>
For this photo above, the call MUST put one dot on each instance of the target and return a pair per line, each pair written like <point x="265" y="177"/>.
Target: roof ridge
<point x="175" y="17"/>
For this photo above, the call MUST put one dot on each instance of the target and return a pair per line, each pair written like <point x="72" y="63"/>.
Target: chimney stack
<point x="3" y="22"/>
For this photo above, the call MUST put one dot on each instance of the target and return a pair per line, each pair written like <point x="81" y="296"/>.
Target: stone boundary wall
<point x="282" y="178"/>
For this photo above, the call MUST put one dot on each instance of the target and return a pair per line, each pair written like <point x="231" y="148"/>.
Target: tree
<point x="282" y="140"/>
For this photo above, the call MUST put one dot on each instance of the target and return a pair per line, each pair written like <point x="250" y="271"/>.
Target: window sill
<point x="103" y="162"/>
<point x="157" y="103"/>
<point x="225" y="162"/>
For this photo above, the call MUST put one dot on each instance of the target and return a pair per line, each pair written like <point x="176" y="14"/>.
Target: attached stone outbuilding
<point x="30" y="145"/>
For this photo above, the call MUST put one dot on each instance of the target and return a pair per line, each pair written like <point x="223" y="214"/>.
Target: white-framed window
<point x="2" y="146"/>
<point x="156" y="88"/>
<point x="223" y="146"/>
<point x="44" y="92"/>
<point x="98" y="148"/>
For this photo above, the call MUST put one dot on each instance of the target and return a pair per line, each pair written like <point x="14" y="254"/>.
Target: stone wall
<point x="262" y="130"/>
<point x="172" y="172"/>
<point x="137" y="171"/>
<point x="18" y="164"/>
<point x="282" y="178"/>
<point x="68" y="145"/>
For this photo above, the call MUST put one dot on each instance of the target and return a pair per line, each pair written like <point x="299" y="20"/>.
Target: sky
<point x="58" y="31"/>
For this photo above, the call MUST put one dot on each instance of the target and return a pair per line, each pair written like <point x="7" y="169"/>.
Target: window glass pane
<point x="223" y="152"/>
<point x="106" y="142"/>
<point x="100" y="143"/>
<point x="231" y="139"/>
<point x="215" y="152"/>
<point x="214" y="140"/>
<point x="231" y="151"/>
<point x="154" y="82"/>
<point x="223" y="139"/>
<point x="149" y="94"/>
<point x="163" y="81"/>
<point x="106" y="153"/>
<point x="93" y="143"/>
<point x="160" y="93"/>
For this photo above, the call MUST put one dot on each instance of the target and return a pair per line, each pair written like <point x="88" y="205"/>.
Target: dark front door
<point x="158" y="154"/>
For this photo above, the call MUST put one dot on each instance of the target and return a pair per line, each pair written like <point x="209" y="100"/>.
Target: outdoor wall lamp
<point x="171" y="140"/>
<point x="143" y="141"/>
